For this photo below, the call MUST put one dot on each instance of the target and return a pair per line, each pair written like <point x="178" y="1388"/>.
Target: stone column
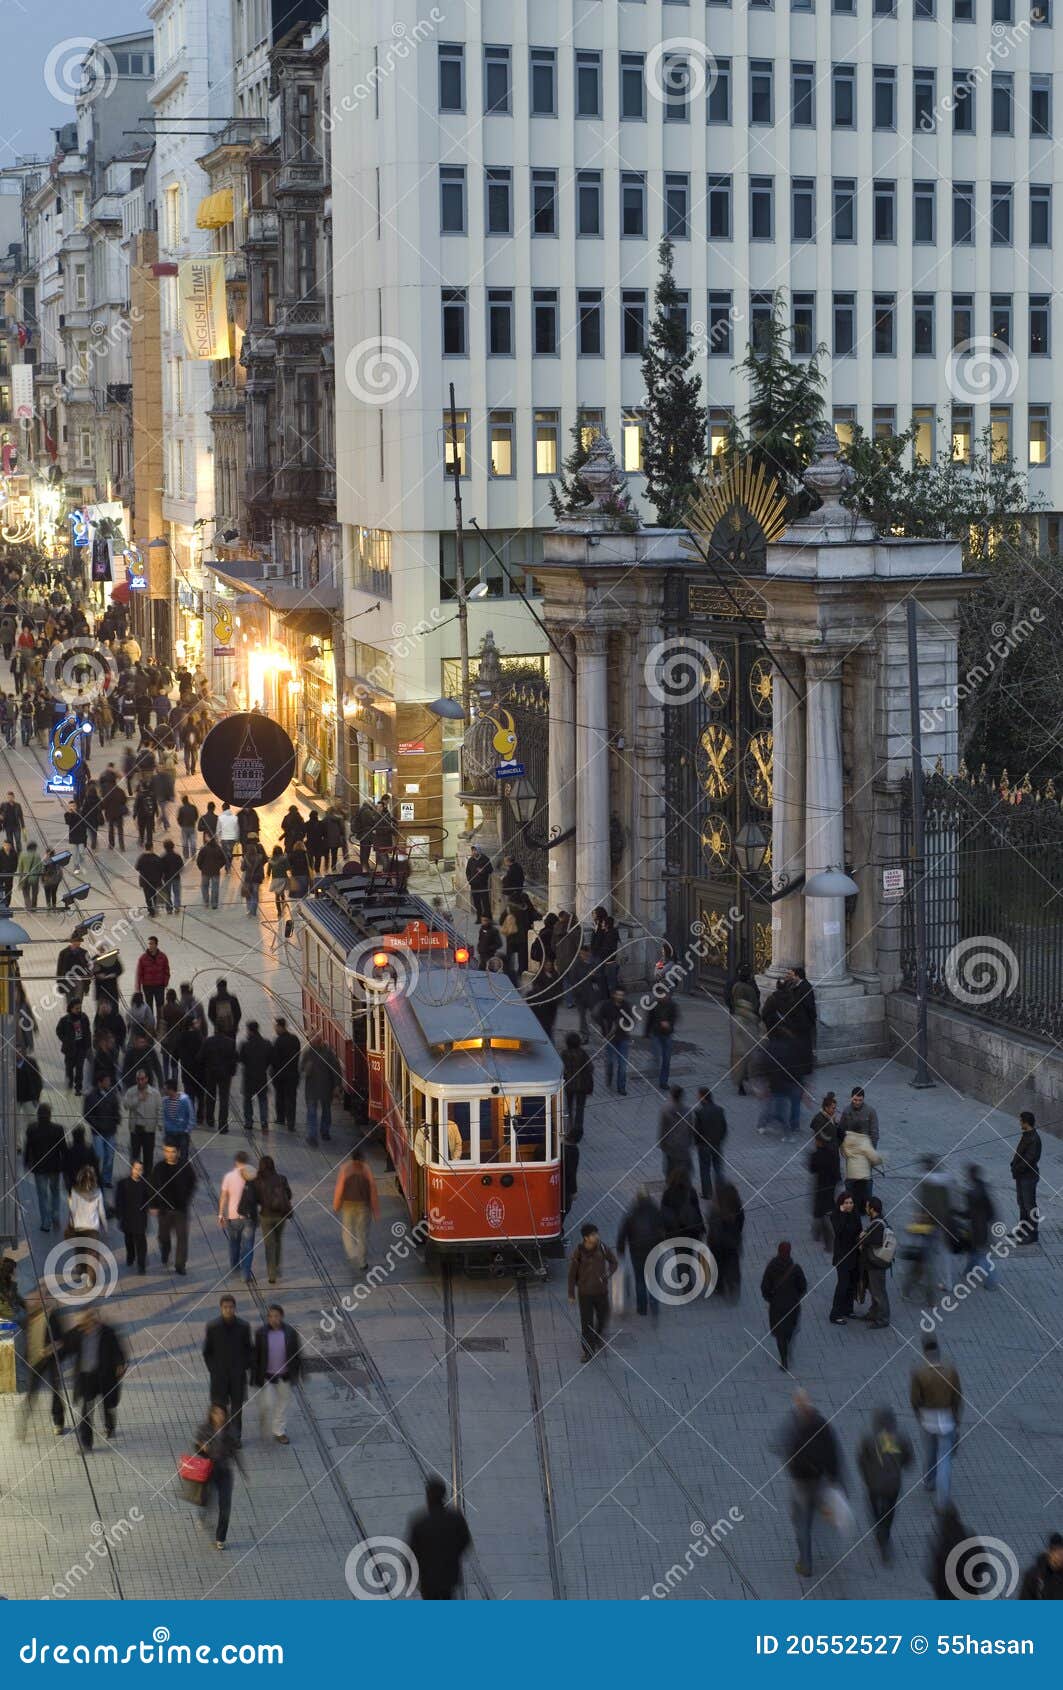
<point x="825" y="823"/>
<point x="561" y="861"/>
<point x="863" y="765"/>
<point x="788" y="814"/>
<point x="593" y="879"/>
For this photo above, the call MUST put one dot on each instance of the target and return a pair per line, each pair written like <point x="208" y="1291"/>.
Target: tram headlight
<point x="461" y="954"/>
<point x="380" y="959"/>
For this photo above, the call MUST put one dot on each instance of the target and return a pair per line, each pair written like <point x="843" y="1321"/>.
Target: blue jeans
<point x="940" y="1448"/>
<point x="104" y="1148"/>
<point x="662" y="1045"/>
<point x="211" y="885"/>
<point x="616" y="1052"/>
<point x="188" y="843"/>
<point x="318" y="1115"/>
<point x="172" y="893"/>
<point x="803" y="1512"/>
<point x="47" y="1199"/>
<point x="251" y="896"/>
<point x="249" y="1108"/>
<point x="981" y="1259"/>
<point x="710" y="1169"/>
<point x="241" y="1236"/>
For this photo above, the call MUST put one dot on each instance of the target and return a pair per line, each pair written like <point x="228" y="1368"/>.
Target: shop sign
<point x="411" y="747"/>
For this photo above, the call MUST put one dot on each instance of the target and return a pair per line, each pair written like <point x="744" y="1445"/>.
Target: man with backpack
<point x="223" y="1011"/>
<point x="878" y="1246"/>
<point x="883" y="1455"/>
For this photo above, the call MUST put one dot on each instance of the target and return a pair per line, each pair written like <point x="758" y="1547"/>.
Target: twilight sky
<point x="33" y="30"/>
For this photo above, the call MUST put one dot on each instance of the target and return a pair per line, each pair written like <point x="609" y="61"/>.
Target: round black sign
<point x="247" y="759"/>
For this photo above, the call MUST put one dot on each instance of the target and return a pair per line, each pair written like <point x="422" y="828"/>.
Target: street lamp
<point x="830" y="882"/>
<point x="523" y="797"/>
<point x="12" y="936"/>
<point x="751" y="850"/>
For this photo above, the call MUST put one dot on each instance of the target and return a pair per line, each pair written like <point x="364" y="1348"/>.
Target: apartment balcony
<point x="262" y="229"/>
<point x="305" y="484"/>
<point x="302" y="316"/>
<point x="47" y="374"/>
<point x="227" y="400"/>
<point x="296" y="176"/>
<point x="235" y="267"/>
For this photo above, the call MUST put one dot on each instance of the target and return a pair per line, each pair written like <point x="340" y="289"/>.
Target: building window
<point x="500" y="443"/>
<point x="1003" y="11"/>
<point x="846" y="7"/>
<point x="544" y="322"/>
<point x="923" y="446"/>
<point x="844" y="209"/>
<point x="884" y="204"/>
<point x="963" y="214"/>
<point x="843" y="97"/>
<point x="803" y="339"/>
<point x="543" y="82"/>
<point x="1000" y="433"/>
<point x="884" y="97"/>
<point x="546" y="425"/>
<point x="499" y="182"/>
<point x="719" y="102"/>
<point x="720" y="315"/>
<point x="885" y="321"/>
<point x="590" y="337"/>
<point x="451" y="77"/>
<point x="588" y="84"/>
<point x="760" y="315"/>
<point x="761" y="91"/>
<point x="1000" y="312"/>
<point x="1041" y="14"/>
<point x="81" y="284"/>
<point x="923" y="8"/>
<point x="631" y="441"/>
<point x="1040" y="105"/>
<point x="675" y="85"/>
<point x="588" y="202"/>
<point x="456" y="442"/>
<point x="924" y="85"/>
<point x="719" y="197"/>
<point x="632" y="204"/>
<point x="802" y="96"/>
<point x="1038" y="435"/>
<point x="1000" y="214"/>
<point x="1040" y="214"/>
<point x="633" y="85"/>
<point x="762" y="208"/>
<point x="591" y="426"/>
<point x="803" y="208"/>
<point x="677" y="207"/>
<point x="884" y="8"/>
<point x="962" y="432"/>
<point x="843" y="421"/>
<point x="720" y="418"/>
<point x="923" y="325"/>
<point x="306" y="254"/>
<point x="1040" y="321"/>
<point x="884" y="422"/>
<point x="633" y="322"/>
<point x="962" y="102"/>
<point x="498" y="92"/>
<point x="923" y="218"/>
<point x="962" y="320"/>
<point x="500" y="322"/>
<point x="455" y="323"/>
<point x="452" y="199"/>
<point x="85" y="451"/>
<point x="544" y="202"/>
<point x="1001" y="103"/>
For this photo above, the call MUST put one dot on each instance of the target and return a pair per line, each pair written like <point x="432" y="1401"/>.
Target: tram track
<point x="535" y="1393"/>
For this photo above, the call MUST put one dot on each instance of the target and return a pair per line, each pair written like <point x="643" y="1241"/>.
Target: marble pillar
<point x="825" y="955"/>
<point x="788" y="814"/>
<point x="593" y="877"/>
<point x="863" y="769"/>
<point x="561" y="861"/>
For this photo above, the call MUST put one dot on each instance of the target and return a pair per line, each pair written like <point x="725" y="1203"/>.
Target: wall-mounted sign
<point x="79" y="527"/>
<point x="509" y="771"/>
<point x="66" y="753"/>
<point x="22" y="392"/>
<point x="247" y="759"/>
<point x="204" y="317"/>
<point x="406" y="812"/>
<point x="893" y="883"/>
<point x="411" y="747"/>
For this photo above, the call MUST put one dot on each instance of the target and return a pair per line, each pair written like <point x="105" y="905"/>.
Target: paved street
<point x="674" y="1426"/>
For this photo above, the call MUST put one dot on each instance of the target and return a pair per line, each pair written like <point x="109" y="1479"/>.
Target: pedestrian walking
<point x="173" y="1182"/>
<point x="641" y="1230"/>
<point x="277" y="872"/>
<point x="725" y="1224"/>
<point x="661" y="1022"/>
<point x="42" y="1155"/>
<point x="153" y="974"/>
<point x="142" y="1105"/>
<point x="979" y="1213"/>
<point x="253" y="873"/>
<point x="172" y="865"/>
<point x="878" y="1247"/>
<point x="51" y="880"/>
<point x="132" y="1206"/>
<point x="229" y="1355"/>
<point x="438" y="1538"/>
<point x="187" y="817"/>
<point x="210" y="861"/>
<point x="783" y="1287"/>
<point x="99" y="1367"/>
<point x="813" y="1463"/>
<point x="675" y="1138"/>
<point x="73" y="969"/>
<point x="12" y="820"/>
<point x="1043" y="1580"/>
<point x="29" y="868"/>
<point x="284" y="1072"/>
<point x="228" y="834"/>
<point x="253" y="1057"/>
<point x="356" y="1202"/>
<point x="77" y="1155"/>
<point x="145" y="811"/>
<point x="956" y="1559"/>
<point x="238" y="1214"/>
<point x="223" y="1010"/>
<point x="44" y="1344"/>
<point x="584" y="984"/>
<point x="115" y="806"/>
<point x="216" y="1442"/>
<point x="217" y="1065"/>
<point x="590" y="1269"/>
<point x="322" y="1086"/>
<point x="275" y="1207"/>
<point x="860" y="1158"/>
<point x="102" y="1112"/>
<point x="578" y="1069"/>
<point x="881" y="1458"/>
<point x="824" y="1164"/>
<point x="613" y="1019"/>
<point x="169" y="1026"/>
<point x="937" y="1399"/>
<point x="276" y="1368"/>
<point x="178" y="1117"/>
<point x="708" y="1126"/>
<point x="846" y="1232"/>
<point x="74" y="1034"/>
<point x="478" y="873"/>
<point x="1025" y="1171"/>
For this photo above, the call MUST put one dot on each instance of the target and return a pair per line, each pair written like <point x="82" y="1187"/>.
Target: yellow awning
<point x="216" y="210"/>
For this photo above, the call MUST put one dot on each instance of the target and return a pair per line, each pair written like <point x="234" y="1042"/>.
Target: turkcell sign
<point x="509" y="771"/>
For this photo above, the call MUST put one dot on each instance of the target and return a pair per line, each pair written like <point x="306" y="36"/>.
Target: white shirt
<point x="228" y="826"/>
<point x="229" y="1199"/>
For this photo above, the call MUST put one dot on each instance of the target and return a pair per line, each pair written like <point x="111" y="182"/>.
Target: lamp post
<point x="12" y="936"/>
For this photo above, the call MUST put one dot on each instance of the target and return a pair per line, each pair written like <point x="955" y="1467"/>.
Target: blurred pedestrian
<point x="813" y="1463"/>
<point x="356" y="1202"/>
<point x="824" y="1164"/>
<point x="641" y="1230"/>
<point x="99" y="1367"/>
<point x="322" y="1085"/>
<point x="44" y="1344"/>
<point x="937" y="1398"/>
<point x="1043" y="1581"/>
<point x="877" y="1249"/>
<point x="979" y="1214"/>
<point x="860" y="1158"/>
<point x="216" y="1441"/>
<point x="709" y="1129"/>
<point x="881" y="1458"/>
<point x="783" y="1287"/>
<point x="42" y="1154"/>
<point x="726" y="1225"/>
<point x="275" y="1207"/>
<point x="438" y="1538"/>
<point x="661" y="1022"/>
<point x="675" y="1139"/>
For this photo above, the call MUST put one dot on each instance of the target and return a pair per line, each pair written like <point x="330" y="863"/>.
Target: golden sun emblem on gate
<point x="761" y="676"/>
<point x="716" y="761"/>
<point x="758" y="769"/>
<point x="716" y="843"/>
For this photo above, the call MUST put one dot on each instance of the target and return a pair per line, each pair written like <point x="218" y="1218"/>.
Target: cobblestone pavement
<point x="669" y="1432"/>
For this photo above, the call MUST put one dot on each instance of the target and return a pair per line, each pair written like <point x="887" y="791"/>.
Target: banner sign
<point x="204" y="319"/>
<point x="22" y="391"/>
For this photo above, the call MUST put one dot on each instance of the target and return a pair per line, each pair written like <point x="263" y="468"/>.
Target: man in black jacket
<point x="1025" y="1171"/>
<point x="132" y="1202"/>
<point x="438" y="1538"/>
<point x="217" y="1059"/>
<point x="172" y="1185"/>
<point x="228" y="1353"/>
<point x="1043" y="1582"/>
<point x="253" y="1056"/>
<point x="709" y="1129"/>
<point x="478" y="875"/>
<point x="284" y="1072"/>
<point x="43" y="1156"/>
<point x="810" y="1450"/>
<point x="99" y="1367"/>
<point x="278" y="1362"/>
<point x="102" y="1112"/>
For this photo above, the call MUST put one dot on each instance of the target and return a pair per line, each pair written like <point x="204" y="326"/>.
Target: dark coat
<point x="708" y="1124"/>
<point x="981" y="1213"/>
<point x="293" y="1352"/>
<point x="1042" y="1582"/>
<point x="1027" y="1157"/>
<point x="254" y="1058"/>
<point x="103" y="1111"/>
<point x="284" y="1060"/>
<point x="110" y="1360"/>
<point x="824" y="1164"/>
<point x="478" y="872"/>
<point x="438" y="1539"/>
<point x="132" y="1201"/>
<point x="641" y="1228"/>
<point x="810" y="1449"/>
<point x="217" y="1057"/>
<point x="782" y="1287"/>
<point x="172" y="1187"/>
<point x="681" y="1212"/>
<point x="579" y="1072"/>
<point x="44" y="1148"/>
<point x="847" y="1230"/>
<point x="228" y="1353"/>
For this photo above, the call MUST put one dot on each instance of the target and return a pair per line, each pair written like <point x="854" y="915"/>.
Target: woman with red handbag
<point x="215" y="1441"/>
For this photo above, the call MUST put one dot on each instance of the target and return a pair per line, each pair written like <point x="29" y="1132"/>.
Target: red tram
<point x="451" y="1062"/>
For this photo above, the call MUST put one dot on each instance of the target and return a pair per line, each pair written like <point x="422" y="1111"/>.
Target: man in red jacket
<point x="153" y="975"/>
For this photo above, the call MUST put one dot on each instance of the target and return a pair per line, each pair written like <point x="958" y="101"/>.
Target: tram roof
<point x="345" y="909"/>
<point x="446" y="1005"/>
